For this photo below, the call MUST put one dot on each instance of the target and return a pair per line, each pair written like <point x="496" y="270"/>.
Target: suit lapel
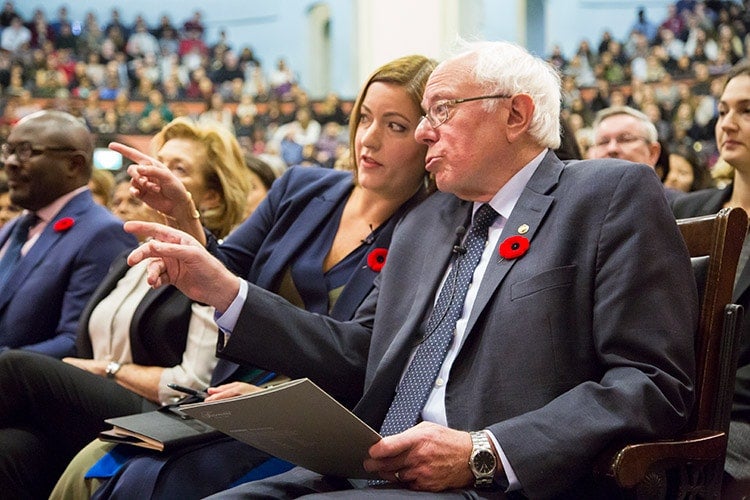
<point x="317" y="211"/>
<point x="529" y="212"/>
<point x="116" y="271"/>
<point x="436" y="251"/>
<point x="444" y="237"/>
<point x="438" y="247"/>
<point x="41" y="248"/>
<point x="360" y="282"/>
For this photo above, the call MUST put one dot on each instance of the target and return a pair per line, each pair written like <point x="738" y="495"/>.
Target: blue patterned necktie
<point x="412" y="392"/>
<point x="18" y="237"/>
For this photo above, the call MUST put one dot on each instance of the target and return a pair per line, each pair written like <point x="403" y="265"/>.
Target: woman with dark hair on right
<point x="733" y="143"/>
<point x="318" y="240"/>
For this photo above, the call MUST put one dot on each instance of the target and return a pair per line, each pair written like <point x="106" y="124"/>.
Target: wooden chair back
<point x="714" y="243"/>
<point x="691" y="465"/>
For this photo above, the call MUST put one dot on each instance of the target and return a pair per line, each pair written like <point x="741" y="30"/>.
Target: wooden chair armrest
<point x="628" y="465"/>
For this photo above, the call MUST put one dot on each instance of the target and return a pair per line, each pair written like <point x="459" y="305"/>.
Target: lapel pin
<point x="523" y="229"/>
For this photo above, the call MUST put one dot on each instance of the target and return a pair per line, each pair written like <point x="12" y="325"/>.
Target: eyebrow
<point x="738" y="102"/>
<point x="388" y="114"/>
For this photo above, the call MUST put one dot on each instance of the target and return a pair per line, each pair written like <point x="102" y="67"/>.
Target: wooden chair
<point x="691" y="466"/>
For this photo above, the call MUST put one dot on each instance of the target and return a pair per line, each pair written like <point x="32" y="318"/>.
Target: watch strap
<point x="481" y="447"/>
<point x="112" y="368"/>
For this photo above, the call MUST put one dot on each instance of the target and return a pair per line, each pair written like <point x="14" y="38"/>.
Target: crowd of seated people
<point x="133" y="78"/>
<point x="159" y="74"/>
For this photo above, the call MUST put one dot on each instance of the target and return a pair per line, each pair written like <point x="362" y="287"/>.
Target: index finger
<point x="131" y="153"/>
<point x="155" y="230"/>
<point x="389" y="447"/>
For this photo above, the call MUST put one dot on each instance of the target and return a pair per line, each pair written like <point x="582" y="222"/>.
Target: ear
<point x="519" y="117"/>
<point x="654" y="150"/>
<point x="77" y="165"/>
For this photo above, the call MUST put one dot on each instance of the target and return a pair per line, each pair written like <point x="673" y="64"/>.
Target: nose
<point x="727" y="121"/>
<point x="371" y="136"/>
<point x="425" y="133"/>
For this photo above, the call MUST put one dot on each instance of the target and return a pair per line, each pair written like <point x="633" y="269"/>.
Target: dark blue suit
<point x="44" y="297"/>
<point x="262" y="249"/>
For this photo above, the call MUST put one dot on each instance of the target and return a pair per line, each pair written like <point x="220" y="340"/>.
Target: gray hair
<point x="648" y="126"/>
<point x="506" y="68"/>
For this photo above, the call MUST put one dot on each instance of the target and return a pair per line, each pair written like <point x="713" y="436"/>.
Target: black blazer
<point x="159" y="328"/>
<point x="710" y="201"/>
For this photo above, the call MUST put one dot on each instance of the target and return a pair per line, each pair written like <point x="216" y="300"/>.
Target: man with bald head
<point x="53" y="256"/>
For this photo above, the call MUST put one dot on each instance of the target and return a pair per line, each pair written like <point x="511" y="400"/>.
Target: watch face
<point x="484" y="462"/>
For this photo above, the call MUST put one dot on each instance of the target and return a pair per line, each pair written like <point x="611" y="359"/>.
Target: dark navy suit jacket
<point x="44" y="297"/>
<point x="261" y="249"/>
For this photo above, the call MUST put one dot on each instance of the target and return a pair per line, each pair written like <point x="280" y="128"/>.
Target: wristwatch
<point x="112" y="368"/>
<point x="482" y="460"/>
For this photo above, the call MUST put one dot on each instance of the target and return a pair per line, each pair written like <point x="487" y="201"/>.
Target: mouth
<point x="368" y="161"/>
<point x="431" y="162"/>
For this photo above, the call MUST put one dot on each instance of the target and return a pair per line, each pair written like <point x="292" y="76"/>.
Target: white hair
<point x="507" y="68"/>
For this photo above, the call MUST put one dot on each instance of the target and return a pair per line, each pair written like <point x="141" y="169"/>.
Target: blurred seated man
<point x="52" y="257"/>
<point x="626" y="133"/>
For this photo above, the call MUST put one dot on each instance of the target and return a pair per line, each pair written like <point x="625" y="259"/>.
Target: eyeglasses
<point x="620" y="140"/>
<point x="24" y="150"/>
<point x="440" y="112"/>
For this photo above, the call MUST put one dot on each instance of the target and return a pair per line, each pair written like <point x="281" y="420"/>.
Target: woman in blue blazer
<point x="318" y="239"/>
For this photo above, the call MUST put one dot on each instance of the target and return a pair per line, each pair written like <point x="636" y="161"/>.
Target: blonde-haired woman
<point x="210" y="164"/>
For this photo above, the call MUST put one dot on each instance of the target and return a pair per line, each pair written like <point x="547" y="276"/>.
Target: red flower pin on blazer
<point x="63" y="224"/>
<point x="513" y="247"/>
<point x="376" y="259"/>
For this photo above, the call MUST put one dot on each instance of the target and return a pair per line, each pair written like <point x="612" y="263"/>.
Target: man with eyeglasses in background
<point x="626" y="133"/>
<point x="526" y="317"/>
<point x="54" y="255"/>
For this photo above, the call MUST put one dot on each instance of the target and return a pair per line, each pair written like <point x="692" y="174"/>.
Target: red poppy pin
<point x="63" y="224"/>
<point x="376" y="259"/>
<point x="513" y="247"/>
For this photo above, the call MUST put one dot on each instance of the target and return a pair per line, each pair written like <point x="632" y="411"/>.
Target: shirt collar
<point x="46" y="214"/>
<point x="506" y="198"/>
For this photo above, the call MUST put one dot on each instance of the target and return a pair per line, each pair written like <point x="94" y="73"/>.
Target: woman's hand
<point x="230" y="390"/>
<point x="152" y="182"/>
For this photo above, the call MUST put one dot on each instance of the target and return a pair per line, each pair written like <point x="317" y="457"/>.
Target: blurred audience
<point x="102" y="185"/>
<point x="626" y="133"/>
<point x="663" y="67"/>
<point x="8" y="209"/>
